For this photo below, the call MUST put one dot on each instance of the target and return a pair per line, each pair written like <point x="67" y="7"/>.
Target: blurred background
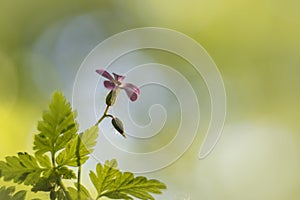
<point x="255" y="45"/>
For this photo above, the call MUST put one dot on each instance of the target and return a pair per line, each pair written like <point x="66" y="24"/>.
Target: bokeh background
<point x="255" y="45"/>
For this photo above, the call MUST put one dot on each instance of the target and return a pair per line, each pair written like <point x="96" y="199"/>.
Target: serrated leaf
<point x="57" y="128"/>
<point x="20" y="195"/>
<point x="21" y="169"/>
<point x="112" y="183"/>
<point x="84" y="193"/>
<point x="85" y="142"/>
<point x="104" y="175"/>
<point x="7" y="194"/>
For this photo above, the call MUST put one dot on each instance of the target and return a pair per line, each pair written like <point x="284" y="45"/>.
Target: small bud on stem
<point x="118" y="125"/>
<point x="111" y="97"/>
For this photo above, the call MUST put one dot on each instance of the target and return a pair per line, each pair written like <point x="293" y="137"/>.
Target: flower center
<point x="117" y="83"/>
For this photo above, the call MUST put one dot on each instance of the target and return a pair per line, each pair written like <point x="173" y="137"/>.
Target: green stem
<point x="79" y="167"/>
<point x="53" y="159"/>
<point x="103" y="116"/>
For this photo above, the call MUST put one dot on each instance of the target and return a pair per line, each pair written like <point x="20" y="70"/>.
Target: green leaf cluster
<point x="57" y="147"/>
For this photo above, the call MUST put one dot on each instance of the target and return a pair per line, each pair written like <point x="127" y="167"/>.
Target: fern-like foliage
<point x="57" y="128"/>
<point x="23" y="168"/>
<point x="58" y="147"/>
<point x="114" y="184"/>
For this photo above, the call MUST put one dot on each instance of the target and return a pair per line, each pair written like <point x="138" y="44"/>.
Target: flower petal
<point x="131" y="86"/>
<point x="105" y="74"/>
<point x="118" y="77"/>
<point x="109" y="85"/>
<point x="132" y="91"/>
<point x="133" y="97"/>
<point x="131" y="94"/>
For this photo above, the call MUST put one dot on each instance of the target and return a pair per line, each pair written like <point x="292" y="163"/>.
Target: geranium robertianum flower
<point x="115" y="82"/>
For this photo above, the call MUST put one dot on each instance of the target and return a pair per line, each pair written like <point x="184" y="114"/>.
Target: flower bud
<point x="118" y="125"/>
<point x="111" y="97"/>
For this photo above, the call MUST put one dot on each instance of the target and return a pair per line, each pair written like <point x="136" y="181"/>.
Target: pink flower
<point x="115" y="82"/>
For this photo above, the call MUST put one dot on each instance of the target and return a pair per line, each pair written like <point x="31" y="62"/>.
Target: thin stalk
<point x="103" y="116"/>
<point x="79" y="167"/>
<point x="53" y="159"/>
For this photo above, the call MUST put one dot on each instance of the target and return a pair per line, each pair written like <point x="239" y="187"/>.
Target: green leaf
<point x="19" y="195"/>
<point x="44" y="160"/>
<point x="118" y="195"/>
<point x="57" y="128"/>
<point x="112" y="183"/>
<point x="21" y="169"/>
<point x="85" y="142"/>
<point x="7" y="194"/>
<point x="84" y="193"/>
